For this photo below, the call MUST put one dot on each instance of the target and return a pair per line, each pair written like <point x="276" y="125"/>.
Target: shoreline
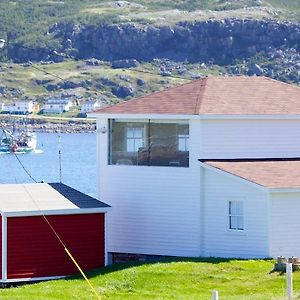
<point x="47" y="125"/>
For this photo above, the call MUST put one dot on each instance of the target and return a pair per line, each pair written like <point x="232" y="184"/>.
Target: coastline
<point x="48" y="124"/>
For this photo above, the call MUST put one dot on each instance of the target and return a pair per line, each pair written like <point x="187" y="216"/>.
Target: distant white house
<point x="89" y="106"/>
<point x="57" y="106"/>
<point x="1" y="107"/>
<point x="208" y="168"/>
<point x="19" y="107"/>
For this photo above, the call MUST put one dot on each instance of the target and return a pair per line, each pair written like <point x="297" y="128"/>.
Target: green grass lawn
<point x="172" y="279"/>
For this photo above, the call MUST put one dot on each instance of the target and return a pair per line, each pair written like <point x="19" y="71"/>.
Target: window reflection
<point x="152" y="143"/>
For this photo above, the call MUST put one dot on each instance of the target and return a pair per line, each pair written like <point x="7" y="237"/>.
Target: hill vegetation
<point x="27" y="22"/>
<point x="173" y="279"/>
<point x="172" y="41"/>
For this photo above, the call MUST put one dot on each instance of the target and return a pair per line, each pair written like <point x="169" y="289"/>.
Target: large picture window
<point x="236" y="215"/>
<point x="149" y="143"/>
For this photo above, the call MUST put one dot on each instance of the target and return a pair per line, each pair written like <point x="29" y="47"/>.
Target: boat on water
<point x="21" y="142"/>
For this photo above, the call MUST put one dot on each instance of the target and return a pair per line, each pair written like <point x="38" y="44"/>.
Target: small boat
<point x="22" y="142"/>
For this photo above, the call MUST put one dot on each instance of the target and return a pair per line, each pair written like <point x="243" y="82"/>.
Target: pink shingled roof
<point x="271" y="174"/>
<point x="219" y="96"/>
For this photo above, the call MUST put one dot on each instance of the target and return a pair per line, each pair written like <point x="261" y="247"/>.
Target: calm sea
<point x="78" y="162"/>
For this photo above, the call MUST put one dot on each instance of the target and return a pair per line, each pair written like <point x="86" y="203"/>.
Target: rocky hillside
<point x="220" y="41"/>
<point x="179" y="38"/>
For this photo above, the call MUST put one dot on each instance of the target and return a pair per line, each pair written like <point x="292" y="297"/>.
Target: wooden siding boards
<point x="218" y="239"/>
<point x="152" y="215"/>
<point x="250" y="138"/>
<point x="156" y="210"/>
<point x="285" y="224"/>
<point x="34" y="251"/>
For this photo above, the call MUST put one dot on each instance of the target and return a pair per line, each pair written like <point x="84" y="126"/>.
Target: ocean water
<point x="78" y="152"/>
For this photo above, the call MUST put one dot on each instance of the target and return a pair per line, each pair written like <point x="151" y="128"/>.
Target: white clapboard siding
<point x="285" y="224"/>
<point x="155" y="210"/>
<point x="165" y="211"/>
<point x="250" y="138"/>
<point x="218" y="239"/>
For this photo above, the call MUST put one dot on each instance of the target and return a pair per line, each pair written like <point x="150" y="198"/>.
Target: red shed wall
<point x="34" y="251"/>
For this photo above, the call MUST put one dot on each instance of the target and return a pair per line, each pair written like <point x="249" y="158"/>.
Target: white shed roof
<point x="43" y="198"/>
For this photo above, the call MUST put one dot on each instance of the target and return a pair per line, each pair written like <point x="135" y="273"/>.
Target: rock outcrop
<point x="217" y="40"/>
<point x="220" y="41"/>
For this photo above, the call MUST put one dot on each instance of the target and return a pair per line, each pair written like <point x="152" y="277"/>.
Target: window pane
<point x="236" y="218"/>
<point x="149" y="143"/>
<point x="130" y="145"/>
<point x="233" y="222"/>
<point x="168" y="145"/>
<point x="240" y="223"/>
<point x="130" y="132"/>
<point x="231" y="208"/>
<point x="126" y="139"/>
<point x="139" y="144"/>
<point x="138" y="132"/>
<point x="239" y="208"/>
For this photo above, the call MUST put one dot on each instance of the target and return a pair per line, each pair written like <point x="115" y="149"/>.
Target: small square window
<point x="235" y="215"/>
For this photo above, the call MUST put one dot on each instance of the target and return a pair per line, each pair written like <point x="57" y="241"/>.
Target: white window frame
<point x="185" y="139"/>
<point x="135" y="139"/>
<point x="236" y="215"/>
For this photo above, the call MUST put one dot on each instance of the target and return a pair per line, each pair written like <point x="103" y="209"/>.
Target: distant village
<point x="53" y="105"/>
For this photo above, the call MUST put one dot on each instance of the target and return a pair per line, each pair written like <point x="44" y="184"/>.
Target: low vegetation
<point x="172" y="279"/>
<point x="99" y="81"/>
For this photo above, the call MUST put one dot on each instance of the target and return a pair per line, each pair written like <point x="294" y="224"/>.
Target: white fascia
<point x="249" y="117"/>
<point x="235" y="177"/>
<point x="34" y="279"/>
<point x="143" y="116"/>
<point x="55" y="212"/>
<point x="192" y="117"/>
<point x="4" y="248"/>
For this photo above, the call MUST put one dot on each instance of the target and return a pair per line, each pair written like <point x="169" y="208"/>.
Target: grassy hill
<point x="173" y="279"/>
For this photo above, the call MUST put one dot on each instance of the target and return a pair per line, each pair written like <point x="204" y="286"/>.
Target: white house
<point x="197" y="170"/>
<point x="1" y="106"/>
<point x="19" y="107"/>
<point x="89" y="106"/>
<point x="57" y="106"/>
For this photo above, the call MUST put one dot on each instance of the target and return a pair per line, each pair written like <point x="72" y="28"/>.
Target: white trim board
<point x="78" y="211"/>
<point x="192" y="117"/>
<point x="4" y="248"/>
<point x="34" y="279"/>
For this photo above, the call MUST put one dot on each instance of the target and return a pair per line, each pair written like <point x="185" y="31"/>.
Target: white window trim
<point x="143" y="127"/>
<point x="231" y="230"/>
<point x="186" y="139"/>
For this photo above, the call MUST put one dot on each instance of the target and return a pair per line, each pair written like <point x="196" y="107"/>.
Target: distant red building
<point x="29" y="248"/>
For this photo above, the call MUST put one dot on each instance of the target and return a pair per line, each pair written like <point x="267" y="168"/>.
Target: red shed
<point x="30" y="250"/>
